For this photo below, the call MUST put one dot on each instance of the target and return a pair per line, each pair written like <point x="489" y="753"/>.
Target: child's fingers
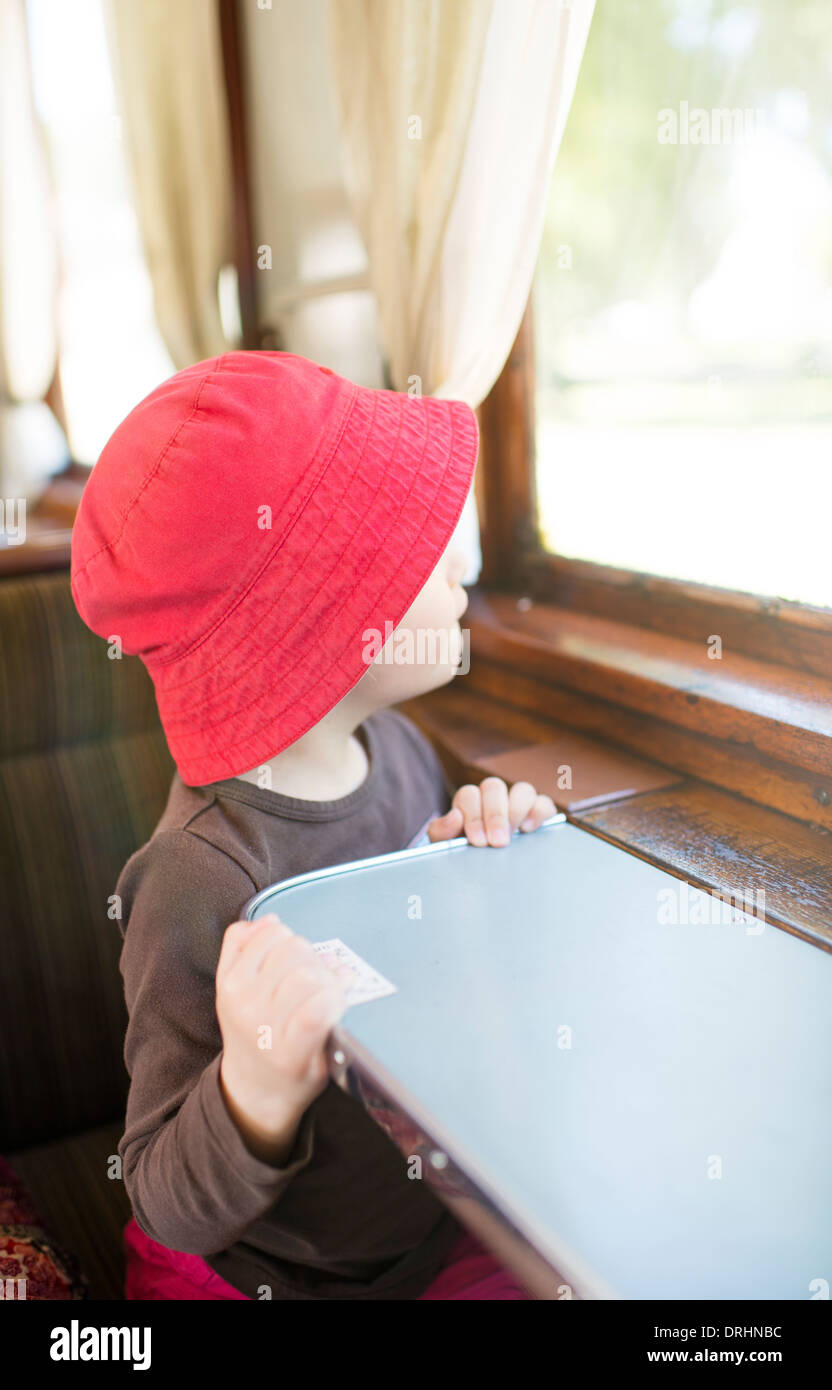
<point x="238" y="936"/>
<point x="543" y="808"/>
<point x="298" y="986"/>
<point x="310" y="1023"/>
<point x="273" y="947"/>
<point x="495" y="810"/>
<point x="468" y="800"/>
<point x="445" y="827"/>
<point x="281" y="957"/>
<point x="521" y="799"/>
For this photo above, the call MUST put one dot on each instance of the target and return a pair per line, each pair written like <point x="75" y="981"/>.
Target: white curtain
<point x="167" y="66"/>
<point x="452" y="112"/>
<point x="28" y="255"/>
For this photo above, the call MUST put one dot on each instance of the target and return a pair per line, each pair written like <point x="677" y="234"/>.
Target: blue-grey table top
<point x="647" y="1096"/>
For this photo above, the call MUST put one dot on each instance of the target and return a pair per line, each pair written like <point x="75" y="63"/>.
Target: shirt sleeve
<point x="192" y="1182"/>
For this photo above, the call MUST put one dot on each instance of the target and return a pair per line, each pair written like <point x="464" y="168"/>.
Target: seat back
<point x="84" y="775"/>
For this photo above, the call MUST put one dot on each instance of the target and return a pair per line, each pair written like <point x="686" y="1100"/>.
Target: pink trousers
<point x="154" y="1272"/>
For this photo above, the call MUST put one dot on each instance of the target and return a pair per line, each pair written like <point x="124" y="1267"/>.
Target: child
<point x="247" y="529"/>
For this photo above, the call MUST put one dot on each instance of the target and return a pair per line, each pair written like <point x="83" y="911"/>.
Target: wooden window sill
<point x="49" y="522"/>
<point x="748" y="726"/>
<point x="47" y="547"/>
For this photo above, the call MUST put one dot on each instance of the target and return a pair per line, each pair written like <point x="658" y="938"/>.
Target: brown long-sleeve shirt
<point x="341" y="1219"/>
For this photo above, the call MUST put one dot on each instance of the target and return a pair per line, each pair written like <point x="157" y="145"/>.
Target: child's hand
<point x="488" y="814"/>
<point x="276" y="1005"/>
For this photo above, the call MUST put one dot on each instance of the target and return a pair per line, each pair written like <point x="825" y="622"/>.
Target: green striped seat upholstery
<point x="84" y="775"/>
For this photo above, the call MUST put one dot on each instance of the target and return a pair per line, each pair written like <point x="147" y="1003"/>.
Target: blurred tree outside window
<point x="683" y="309"/>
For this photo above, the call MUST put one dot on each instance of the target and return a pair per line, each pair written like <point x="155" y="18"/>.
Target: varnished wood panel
<point x="769" y="629"/>
<point x="763" y="731"/>
<point x="504" y="482"/>
<point x="479" y="738"/>
<point x="578" y="772"/>
<point x="732" y="765"/>
<point x="783" y="712"/>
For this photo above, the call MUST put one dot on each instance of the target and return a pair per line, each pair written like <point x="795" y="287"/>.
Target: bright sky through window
<point x="110" y="348"/>
<point x="683" y="308"/>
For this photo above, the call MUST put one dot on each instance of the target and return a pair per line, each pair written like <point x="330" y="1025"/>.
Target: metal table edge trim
<point x="332" y="870"/>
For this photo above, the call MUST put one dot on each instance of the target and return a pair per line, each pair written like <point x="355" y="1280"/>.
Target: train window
<point x="111" y="351"/>
<point x="682" y="305"/>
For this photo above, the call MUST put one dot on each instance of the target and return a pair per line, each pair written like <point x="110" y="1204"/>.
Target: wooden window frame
<point x="515" y="561"/>
<point x="624" y="655"/>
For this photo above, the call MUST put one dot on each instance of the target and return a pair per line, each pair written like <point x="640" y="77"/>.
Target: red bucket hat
<point x="244" y="527"/>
